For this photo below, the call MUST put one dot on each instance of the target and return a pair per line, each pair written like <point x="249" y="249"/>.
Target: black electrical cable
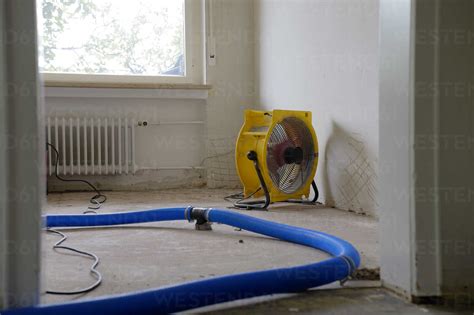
<point x="93" y="269"/>
<point x="257" y="204"/>
<point x="98" y="199"/>
<point x="240" y="196"/>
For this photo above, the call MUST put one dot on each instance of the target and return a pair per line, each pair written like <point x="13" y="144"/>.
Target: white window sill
<point x="125" y="90"/>
<point x="131" y="85"/>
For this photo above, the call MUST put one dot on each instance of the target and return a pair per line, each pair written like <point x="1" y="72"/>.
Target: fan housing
<point x="286" y="150"/>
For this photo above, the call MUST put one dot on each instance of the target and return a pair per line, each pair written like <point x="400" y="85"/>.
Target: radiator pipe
<point x="214" y="290"/>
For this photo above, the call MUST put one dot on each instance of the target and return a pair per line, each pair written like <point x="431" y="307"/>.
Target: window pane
<point x="125" y="37"/>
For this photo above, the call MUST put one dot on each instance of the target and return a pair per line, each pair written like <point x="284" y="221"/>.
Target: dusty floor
<point x="151" y="255"/>
<point x="339" y="302"/>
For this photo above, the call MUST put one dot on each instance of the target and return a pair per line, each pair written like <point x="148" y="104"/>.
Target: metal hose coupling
<point x="201" y="216"/>
<point x="352" y="269"/>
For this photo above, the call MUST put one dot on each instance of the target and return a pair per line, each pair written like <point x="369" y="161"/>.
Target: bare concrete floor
<point x="152" y="255"/>
<point x="339" y="302"/>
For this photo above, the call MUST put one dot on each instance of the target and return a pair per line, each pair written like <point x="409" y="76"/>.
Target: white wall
<point x="396" y="144"/>
<point x="425" y="220"/>
<point x="426" y="132"/>
<point x="3" y="165"/>
<point x="456" y="147"/>
<point x="21" y="163"/>
<point x="230" y="24"/>
<point x="322" y="56"/>
<point x="165" y="154"/>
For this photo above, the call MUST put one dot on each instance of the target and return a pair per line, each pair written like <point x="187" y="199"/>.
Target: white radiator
<point x="91" y="145"/>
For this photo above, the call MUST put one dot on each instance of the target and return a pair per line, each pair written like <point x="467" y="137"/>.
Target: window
<point x="119" y="40"/>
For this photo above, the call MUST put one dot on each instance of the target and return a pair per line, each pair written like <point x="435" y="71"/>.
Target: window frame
<point x="194" y="52"/>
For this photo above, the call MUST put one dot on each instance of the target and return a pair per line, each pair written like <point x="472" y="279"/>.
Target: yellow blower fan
<point x="276" y="157"/>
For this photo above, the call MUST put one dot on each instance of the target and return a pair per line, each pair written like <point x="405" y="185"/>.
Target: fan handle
<point x="258" y="204"/>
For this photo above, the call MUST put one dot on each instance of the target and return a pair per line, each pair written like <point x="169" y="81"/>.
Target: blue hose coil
<point x="214" y="290"/>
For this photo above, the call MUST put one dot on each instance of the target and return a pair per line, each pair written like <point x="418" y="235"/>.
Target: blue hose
<point x="210" y="291"/>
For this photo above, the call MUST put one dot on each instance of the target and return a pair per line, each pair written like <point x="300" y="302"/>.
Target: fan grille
<point x="290" y="135"/>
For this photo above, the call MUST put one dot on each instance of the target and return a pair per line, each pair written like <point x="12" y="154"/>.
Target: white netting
<point x="220" y="163"/>
<point x="352" y="174"/>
